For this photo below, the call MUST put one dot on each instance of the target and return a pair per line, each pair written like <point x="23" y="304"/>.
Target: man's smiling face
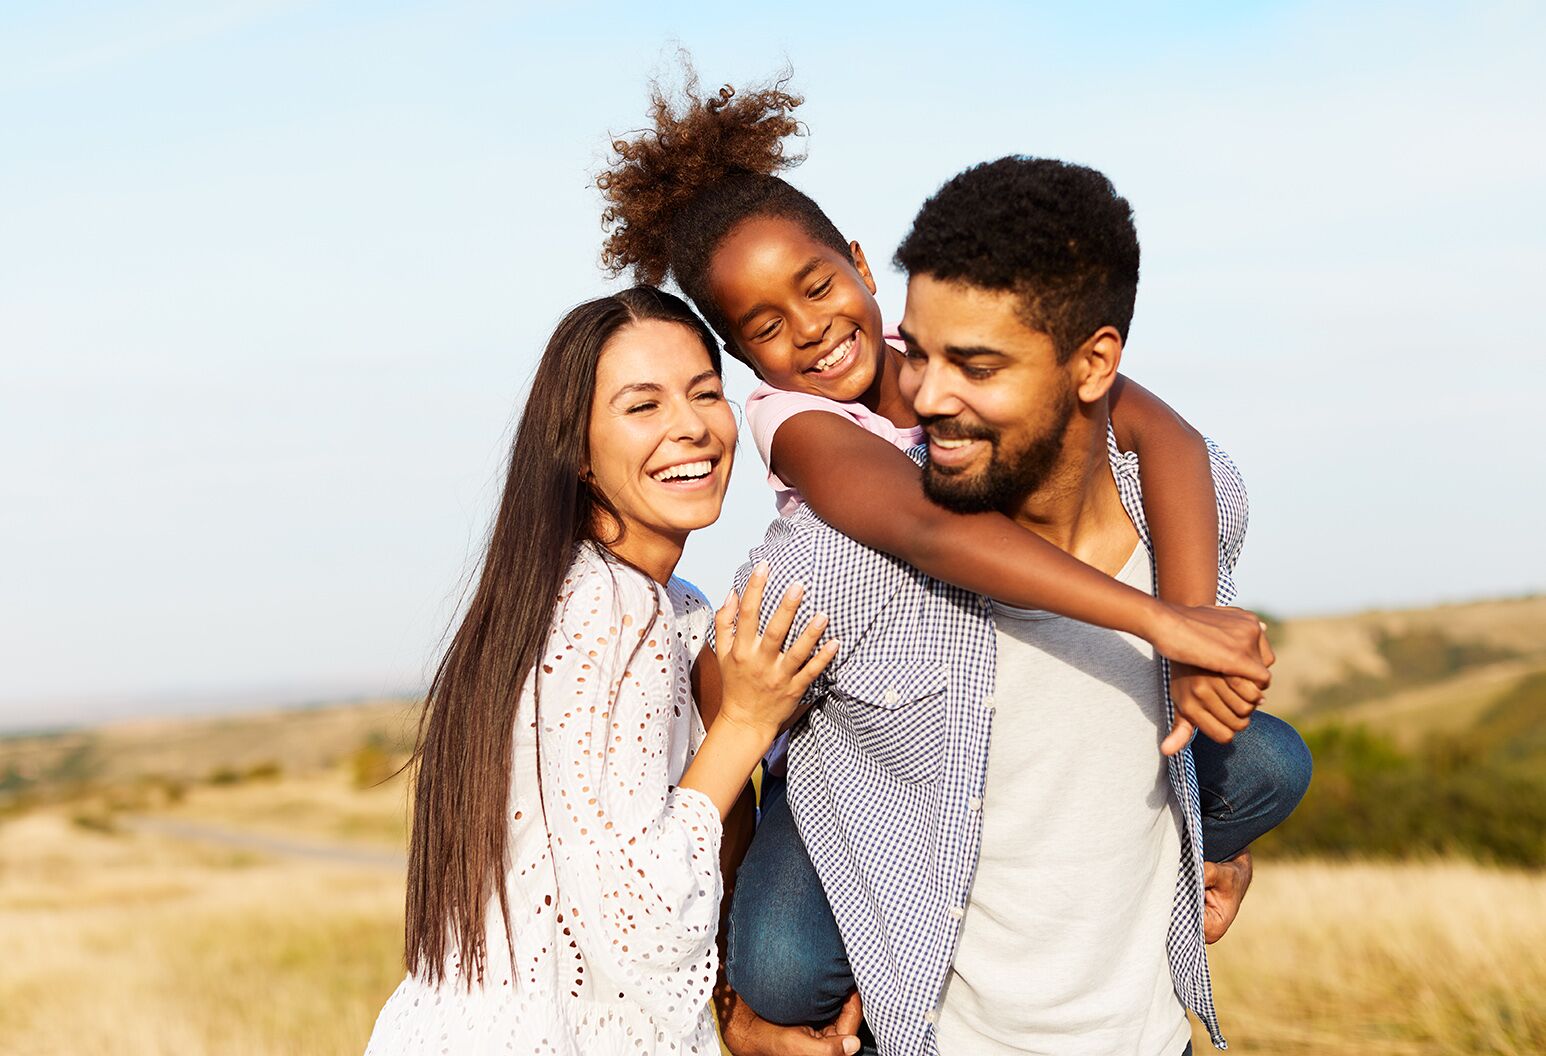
<point x="988" y="390"/>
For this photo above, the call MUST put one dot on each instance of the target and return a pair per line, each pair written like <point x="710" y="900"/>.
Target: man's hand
<point x="748" y="1034"/>
<point x="1218" y="706"/>
<point x="1223" y="888"/>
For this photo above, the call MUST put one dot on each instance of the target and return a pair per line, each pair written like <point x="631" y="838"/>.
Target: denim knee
<point x="785" y="956"/>
<point x="1250" y="785"/>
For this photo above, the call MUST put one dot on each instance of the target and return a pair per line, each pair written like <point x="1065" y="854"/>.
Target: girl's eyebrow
<point x="763" y="306"/>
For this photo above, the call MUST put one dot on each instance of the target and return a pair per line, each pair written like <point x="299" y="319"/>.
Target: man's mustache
<point x="950" y="428"/>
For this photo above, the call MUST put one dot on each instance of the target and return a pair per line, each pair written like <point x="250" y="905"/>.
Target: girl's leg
<point x="1249" y="785"/>
<point x="785" y="956"/>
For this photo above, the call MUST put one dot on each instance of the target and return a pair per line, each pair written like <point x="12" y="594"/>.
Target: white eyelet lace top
<point x="613" y="931"/>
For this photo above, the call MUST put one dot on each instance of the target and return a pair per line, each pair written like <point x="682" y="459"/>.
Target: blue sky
<point x="273" y="276"/>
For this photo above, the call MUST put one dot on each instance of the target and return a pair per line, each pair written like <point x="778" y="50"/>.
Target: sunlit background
<point x="273" y="277"/>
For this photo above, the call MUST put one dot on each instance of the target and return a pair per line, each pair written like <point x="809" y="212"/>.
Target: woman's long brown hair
<point x="458" y="850"/>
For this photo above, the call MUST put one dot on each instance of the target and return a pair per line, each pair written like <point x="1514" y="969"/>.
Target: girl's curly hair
<point x="676" y="189"/>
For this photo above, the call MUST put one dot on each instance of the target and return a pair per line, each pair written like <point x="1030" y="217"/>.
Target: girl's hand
<point x="763" y="682"/>
<point x="1228" y="641"/>
<point x="1217" y="705"/>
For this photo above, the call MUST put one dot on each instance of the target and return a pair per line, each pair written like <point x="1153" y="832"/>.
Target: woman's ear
<point x="862" y="266"/>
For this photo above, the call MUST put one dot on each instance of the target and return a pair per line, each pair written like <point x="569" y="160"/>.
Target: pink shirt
<point x="768" y="408"/>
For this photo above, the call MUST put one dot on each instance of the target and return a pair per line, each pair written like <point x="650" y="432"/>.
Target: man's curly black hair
<point x="1058" y="235"/>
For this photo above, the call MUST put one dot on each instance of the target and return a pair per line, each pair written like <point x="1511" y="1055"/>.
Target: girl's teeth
<point x="834" y="357"/>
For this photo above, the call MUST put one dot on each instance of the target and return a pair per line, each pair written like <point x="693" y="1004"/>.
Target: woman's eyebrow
<point x="705" y="376"/>
<point x="638" y="386"/>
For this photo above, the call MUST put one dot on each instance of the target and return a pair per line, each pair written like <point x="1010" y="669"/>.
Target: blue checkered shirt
<point x="886" y="768"/>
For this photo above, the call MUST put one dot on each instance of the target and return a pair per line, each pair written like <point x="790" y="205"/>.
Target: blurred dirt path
<point x="264" y="843"/>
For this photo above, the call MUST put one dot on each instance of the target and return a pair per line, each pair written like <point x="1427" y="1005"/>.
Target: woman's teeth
<point x="687" y="470"/>
<point x="836" y="356"/>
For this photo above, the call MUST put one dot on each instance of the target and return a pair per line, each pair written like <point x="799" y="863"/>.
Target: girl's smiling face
<point x="801" y="313"/>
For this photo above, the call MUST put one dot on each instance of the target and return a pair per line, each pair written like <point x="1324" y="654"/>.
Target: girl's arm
<point x="873" y="493"/>
<point x="1182" y="508"/>
<point x="1178" y="496"/>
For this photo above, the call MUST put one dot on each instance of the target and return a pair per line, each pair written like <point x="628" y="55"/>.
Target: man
<point x="1039" y="890"/>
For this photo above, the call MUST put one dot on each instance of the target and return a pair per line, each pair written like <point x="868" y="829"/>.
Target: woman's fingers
<point x="724" y="625"/>
<point x="746" y="620"/>
<point x="782" y="619"/>
<point x="800" y="649"/>
<point x="820" y="660"/>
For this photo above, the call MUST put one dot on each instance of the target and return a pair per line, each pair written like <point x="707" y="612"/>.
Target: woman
<point x="563" y="878"/>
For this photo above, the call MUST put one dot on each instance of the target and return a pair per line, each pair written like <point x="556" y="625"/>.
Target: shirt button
<point x="956" y="912"/>
<point x="891" y="696"/>
<point x="931" y="1016"/>
<point x="987" y="702"/>
<point x="975" y="802"/>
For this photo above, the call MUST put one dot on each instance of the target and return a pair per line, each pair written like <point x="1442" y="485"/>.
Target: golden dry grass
<point x="1438" y="959"/>
<point x="138" y="944"/>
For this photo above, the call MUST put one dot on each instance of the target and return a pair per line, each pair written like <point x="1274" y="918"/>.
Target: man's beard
<point x="1006" y="481"/>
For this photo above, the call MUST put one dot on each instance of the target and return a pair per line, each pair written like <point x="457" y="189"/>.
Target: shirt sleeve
<point x="637" y="860"/>
<point x="1234" y="513"/>
<point x="768" y="408"/>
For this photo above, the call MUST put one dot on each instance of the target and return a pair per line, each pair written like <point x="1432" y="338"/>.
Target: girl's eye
<point x="821" y="290"/>
<point x="766" y="332"/>
<point x="640" y="408"/>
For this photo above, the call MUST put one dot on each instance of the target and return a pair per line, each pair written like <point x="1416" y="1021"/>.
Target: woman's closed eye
<point x="710" y="395"/>
<point x="642" y="408"/>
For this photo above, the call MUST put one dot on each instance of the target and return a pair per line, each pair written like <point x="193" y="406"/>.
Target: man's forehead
<point x="950" y="312"/>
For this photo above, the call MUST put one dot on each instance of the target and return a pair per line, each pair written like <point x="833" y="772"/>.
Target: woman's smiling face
<point x="662" y="437"/>
<point x="803" y="314"/>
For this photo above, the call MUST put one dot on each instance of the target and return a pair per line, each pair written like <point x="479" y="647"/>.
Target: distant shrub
<point x="370" y="764"/>
<point x="268" y="771"/>
<point x="99" y="821"/>
<point x="1481" y="794"/>
<point x="225" y="775"/>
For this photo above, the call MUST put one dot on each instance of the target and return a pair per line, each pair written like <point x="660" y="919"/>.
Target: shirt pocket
<point x="894" y="708"/>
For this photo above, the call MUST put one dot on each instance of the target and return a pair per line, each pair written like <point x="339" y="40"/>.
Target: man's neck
<point x="1077" y="509"/>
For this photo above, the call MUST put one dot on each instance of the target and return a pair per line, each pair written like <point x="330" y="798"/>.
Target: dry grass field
<point x="234" y="885"/>
<point x="130" y="942"/>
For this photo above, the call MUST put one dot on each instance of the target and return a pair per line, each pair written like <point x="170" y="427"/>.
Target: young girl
<point x="564" y="874"/>
<point x="695" y="198"/>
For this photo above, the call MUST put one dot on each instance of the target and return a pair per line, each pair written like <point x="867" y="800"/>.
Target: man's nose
<point x="934" y="397"/>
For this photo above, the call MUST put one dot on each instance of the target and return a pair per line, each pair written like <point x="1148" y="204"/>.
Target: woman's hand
<point x="1225" y="640"/>
<point x="762" y="687"/>
<point x="763" y="682"/>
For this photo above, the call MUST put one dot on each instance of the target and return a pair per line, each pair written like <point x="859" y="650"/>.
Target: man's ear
<point x="1096" y="364"/>
<point x="862" y="266"/>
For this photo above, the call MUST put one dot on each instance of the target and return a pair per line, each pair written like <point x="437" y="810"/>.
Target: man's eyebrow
<point x="973" y="352"/>
<point x="956" y="351"/>
<point x="763" y="306"/>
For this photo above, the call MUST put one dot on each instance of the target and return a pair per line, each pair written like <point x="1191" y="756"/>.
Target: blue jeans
<point x="785" y="956"/>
